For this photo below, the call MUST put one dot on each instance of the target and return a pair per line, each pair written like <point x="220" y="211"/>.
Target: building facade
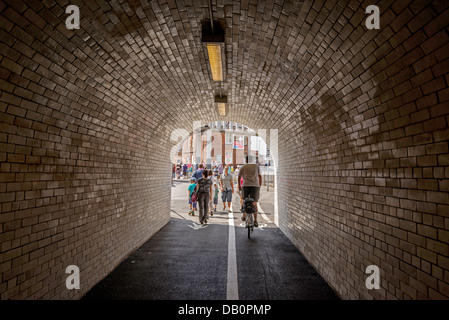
<point x="221" y="142"/>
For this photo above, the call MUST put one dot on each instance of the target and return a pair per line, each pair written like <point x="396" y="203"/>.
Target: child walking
<point x="215" y="197"/>
<point x="213" y="180"/>
<point x="192" y="204"/>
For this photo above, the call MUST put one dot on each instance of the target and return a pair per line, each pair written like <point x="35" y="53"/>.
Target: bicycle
<point x="249" y="209"/>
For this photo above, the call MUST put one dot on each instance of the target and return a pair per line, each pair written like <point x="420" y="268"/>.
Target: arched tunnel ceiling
<point x="281" y="56"/>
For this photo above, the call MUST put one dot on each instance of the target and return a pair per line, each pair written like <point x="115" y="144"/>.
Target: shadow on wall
<point x="367" y="171"/>
<point x="343" y="151"/>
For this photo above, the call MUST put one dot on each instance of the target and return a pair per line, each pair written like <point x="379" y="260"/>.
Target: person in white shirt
<point x="227" y="188"/>
<point x="252" y="180"/>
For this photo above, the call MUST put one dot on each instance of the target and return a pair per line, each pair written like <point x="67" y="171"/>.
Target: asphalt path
<point x="189" y="261"/>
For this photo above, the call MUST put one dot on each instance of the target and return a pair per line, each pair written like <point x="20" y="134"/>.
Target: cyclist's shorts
<point x="253" y="192"/>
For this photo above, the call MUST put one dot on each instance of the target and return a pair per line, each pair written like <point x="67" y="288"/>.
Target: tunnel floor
<point x="187" y="261"/>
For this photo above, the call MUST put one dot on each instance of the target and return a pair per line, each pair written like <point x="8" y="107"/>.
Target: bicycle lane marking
<point x="232" y="287"/>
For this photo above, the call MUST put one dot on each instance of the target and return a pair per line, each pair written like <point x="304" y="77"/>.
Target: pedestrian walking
<point x="184" y="171"/>
<point x="204" y="190"/>
<point x="213" y="180"/>
<point x="227" y="188"/>
<point x="198" y="174"/>
<point x="190" y="169"/>
<point x="240" y="193"/>
<point x="215" y="197"/>
<point x="192" y="202"/>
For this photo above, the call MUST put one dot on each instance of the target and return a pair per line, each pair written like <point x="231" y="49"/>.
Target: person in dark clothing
<point x="204" y="190"/>
<point x="198" y="174"/>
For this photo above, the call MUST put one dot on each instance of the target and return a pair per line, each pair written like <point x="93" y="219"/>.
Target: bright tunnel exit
<point x="225" y="143"/>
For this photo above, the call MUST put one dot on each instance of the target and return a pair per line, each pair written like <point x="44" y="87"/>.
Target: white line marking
<point x="232" y="287"/>
<point x="264" y="216"/>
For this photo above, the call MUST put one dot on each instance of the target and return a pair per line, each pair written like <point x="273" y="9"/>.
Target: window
<point x="229" y="138"/>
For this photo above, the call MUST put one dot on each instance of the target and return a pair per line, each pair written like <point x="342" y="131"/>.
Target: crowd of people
<point x="205" y="186"/>
<point x="185" y="171"/>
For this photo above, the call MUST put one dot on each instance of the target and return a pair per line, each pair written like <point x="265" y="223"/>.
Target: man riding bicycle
<point x="252" y="180"/>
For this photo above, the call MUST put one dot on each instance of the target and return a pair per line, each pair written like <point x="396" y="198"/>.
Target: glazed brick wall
<point x="365" y="181"/>
<point x="86" y="118"/>
<point x="80" y="181"/>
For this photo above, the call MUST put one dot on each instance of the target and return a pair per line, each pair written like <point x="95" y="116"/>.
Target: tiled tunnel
<point x="90" y="116"/>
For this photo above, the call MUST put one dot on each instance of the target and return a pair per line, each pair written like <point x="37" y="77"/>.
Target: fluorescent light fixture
<point x="221" y="102"/>
<point x="222" y="109"/>
<point x="213" y="40"/>
<point x="216" y="64"/>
